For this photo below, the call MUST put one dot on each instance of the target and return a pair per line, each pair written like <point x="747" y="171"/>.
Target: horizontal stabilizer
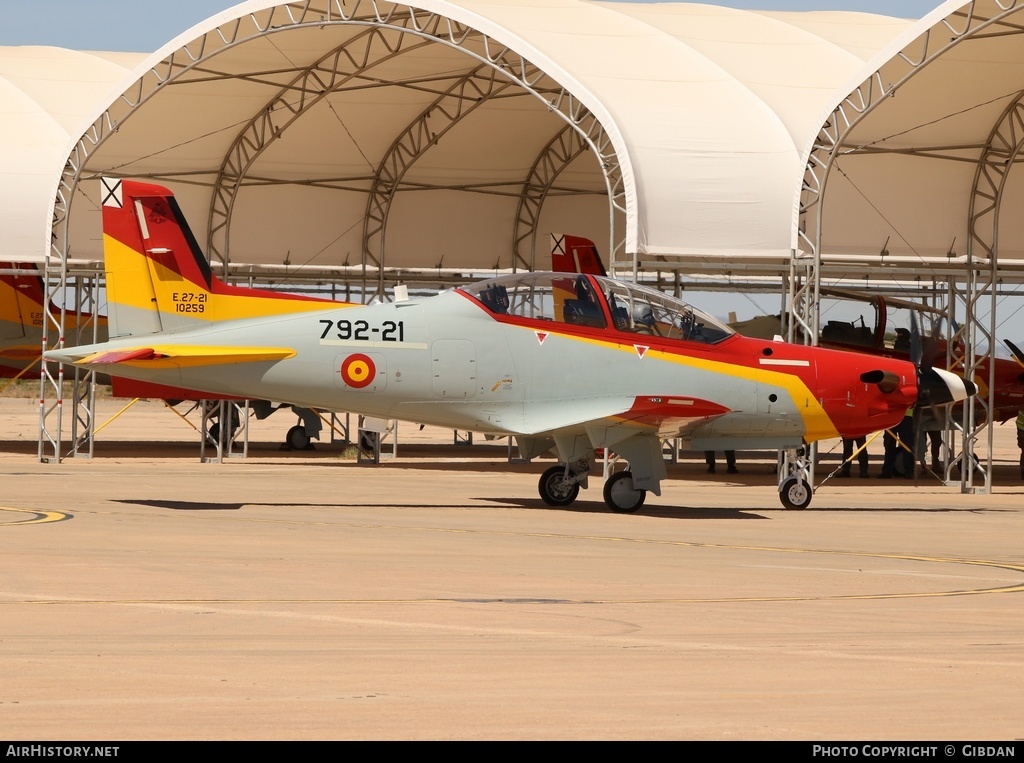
<point x="168" y="355"/>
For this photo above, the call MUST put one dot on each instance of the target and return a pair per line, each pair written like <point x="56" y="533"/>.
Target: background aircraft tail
<point x="158" y="279"/>
<point x="575" y="254"/>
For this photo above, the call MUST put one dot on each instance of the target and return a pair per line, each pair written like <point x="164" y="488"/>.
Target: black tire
<point x="297" y="438"/>
<point x="213" y="434"/>
<point x="795" y="493"/>
<point x="555" y="490"/>
<point x="621" y="496"/>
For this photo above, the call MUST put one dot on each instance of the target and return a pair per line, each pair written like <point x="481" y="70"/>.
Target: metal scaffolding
<point x="385" y="32"/>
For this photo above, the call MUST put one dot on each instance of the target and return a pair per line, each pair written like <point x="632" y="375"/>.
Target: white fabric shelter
<point x="321" y="137"/>
<point x="46" y="96"/>
<point x="279" y="127"/>
<point x="705" y="113"/>
<point x="935" y="113"/>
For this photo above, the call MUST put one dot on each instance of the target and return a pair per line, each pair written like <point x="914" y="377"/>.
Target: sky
<point x="142" y="26"/>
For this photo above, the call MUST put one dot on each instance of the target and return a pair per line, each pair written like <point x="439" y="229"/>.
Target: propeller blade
<point x="1015" y="351"/>
<point x="938" y="387"/>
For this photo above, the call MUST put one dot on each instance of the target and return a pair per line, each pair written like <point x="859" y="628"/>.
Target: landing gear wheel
<point x="555" y="489"/>
<point x="621" y="496"/>
<point x="297" y="438"/>
<point x="214" y="431"/>
<point x="795" y="493"/>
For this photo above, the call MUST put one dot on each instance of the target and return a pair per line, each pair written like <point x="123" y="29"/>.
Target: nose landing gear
<point x="794" y="478"/>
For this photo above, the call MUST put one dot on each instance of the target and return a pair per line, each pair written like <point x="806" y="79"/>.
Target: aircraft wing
<point x="662" y="415"/>
<point x="634" y="427"/>
<point x="170" y="355"/>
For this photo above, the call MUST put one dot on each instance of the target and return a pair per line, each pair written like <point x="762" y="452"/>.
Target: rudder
<point x="158" y="279"/>
<point x="154" y="283"/>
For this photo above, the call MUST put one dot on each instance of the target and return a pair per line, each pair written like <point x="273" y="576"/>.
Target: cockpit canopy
<point x="599" y="303"/>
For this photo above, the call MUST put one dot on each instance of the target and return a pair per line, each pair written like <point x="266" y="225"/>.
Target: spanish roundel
<point x="358" y="370"/>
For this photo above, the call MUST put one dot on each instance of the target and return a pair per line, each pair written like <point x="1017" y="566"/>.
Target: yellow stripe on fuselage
<point x="817" y="424"/>
<point x="134" y="280"/>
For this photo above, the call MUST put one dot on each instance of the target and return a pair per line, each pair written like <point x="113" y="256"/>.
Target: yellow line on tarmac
<point x="912" y="558"/>
<point x="37" y="517"/>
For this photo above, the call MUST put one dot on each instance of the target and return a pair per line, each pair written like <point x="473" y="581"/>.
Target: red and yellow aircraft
<point x="22" y="300"/>
<point x="886" y="333"/>
<point x="22" y="312"/>
<point x="889" y="335"/>
<point x="562" y="362"/>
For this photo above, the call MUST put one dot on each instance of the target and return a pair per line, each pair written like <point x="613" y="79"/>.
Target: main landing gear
<point x="560" y="486"/>
<point x="621" y="496"/>
<point x="557" y="487"/>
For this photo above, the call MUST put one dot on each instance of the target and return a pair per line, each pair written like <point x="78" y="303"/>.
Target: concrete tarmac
<point x="298" y="595"/>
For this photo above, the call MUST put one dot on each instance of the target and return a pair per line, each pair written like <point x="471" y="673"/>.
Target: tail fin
<point x="575" y="254"/>
<point x="158" y="279"/>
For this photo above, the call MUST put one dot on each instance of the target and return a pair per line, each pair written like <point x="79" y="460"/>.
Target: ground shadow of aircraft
<point x="564" y="362"/>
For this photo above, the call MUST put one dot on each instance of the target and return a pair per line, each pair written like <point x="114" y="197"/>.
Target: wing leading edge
<point x="169" y="355"/>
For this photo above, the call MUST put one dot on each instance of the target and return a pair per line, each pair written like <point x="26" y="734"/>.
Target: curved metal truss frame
<point x="391" y="30"/>
<point x="964" y="287"/>
<point x="561" y="151"/>
<point x="1002" y="151"/>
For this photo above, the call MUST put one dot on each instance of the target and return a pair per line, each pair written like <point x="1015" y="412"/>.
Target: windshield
<point x="592" y="300"/>
<point x="647" y="311"/>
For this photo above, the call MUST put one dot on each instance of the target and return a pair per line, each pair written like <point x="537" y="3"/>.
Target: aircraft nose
<point x="937" y="387"/>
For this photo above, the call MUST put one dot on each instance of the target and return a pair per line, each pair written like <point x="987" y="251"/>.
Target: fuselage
<point x="458" y="360"/>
